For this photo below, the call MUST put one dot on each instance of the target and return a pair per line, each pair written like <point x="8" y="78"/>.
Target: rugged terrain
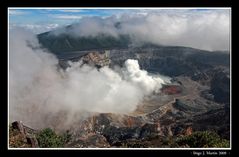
<point x="197" y="99"/>
<point x="160" y="115"/>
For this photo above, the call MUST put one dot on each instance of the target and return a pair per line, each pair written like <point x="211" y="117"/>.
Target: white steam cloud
<point x="39" y="90"/>
<point x="203" y="30"/>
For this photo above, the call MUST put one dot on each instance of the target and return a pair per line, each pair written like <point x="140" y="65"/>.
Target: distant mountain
<point x="65" y="42"/>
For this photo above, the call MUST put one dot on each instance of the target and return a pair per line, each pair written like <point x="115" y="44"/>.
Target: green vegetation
<point x="65" y="43"/>
<point x="47" y="138"/>
<point x="199" y="139"/>
<point x="203" y="139"/>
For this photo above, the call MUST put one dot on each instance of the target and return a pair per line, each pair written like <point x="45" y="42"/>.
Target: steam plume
<point x="40" y="91"/>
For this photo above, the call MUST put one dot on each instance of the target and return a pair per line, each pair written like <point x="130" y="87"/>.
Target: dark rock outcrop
<point x="220" y="87"/>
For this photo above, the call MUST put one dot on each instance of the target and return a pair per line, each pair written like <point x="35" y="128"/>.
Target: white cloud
<point x="207" y="30"/>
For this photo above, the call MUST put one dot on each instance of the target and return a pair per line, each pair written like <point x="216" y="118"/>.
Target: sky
<point x="180" y="26"/>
